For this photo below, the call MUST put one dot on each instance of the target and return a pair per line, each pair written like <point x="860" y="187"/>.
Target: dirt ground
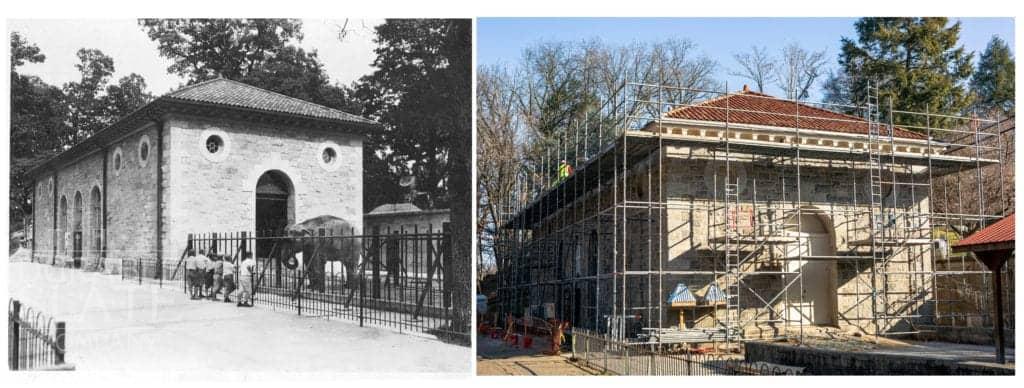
<point x="496" y="358"/>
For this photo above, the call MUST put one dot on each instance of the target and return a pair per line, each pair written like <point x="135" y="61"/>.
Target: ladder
<point x="732" y="259"/>
<point x="880" y="224"/>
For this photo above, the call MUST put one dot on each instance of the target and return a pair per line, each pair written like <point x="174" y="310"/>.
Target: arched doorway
<point x="76" y="234"/>
<point x="816" y="248"/>
<point x="275" y="207"/>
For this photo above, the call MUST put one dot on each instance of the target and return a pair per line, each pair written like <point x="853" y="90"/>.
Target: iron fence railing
<point x="35" y="341"/>
<point x="610" y="356"/>
<point x="144" y="270"/>
<point x="398" y="280"/>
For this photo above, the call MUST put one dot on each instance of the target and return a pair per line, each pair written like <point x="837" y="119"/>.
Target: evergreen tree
<point x="993" y="81"/>
<point x="917" y="62"/>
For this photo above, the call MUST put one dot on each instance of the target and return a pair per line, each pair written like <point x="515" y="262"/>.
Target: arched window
<point x="76" y="225"/>
<point x="592" y="252"/>
<point x="76" y="222"/>
<point x="62" y="230"/>
<point x="96" y="219"/>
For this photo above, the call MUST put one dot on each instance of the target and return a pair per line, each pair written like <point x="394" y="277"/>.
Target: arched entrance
<point x="275" y="207"/>
<point x="818" y="267"/>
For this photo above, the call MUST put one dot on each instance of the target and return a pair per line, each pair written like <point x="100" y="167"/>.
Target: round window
<point x="329" y="155"/>
<point x="117" y="161"/>
<point x="144" y="148"/>
<point x="329" y="158"/>
<point x="214" y="144"/>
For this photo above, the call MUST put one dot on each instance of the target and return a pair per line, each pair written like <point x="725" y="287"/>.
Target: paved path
<point x="122" y="326"/>
<point x="496" y="358"/>
<point x="947" y="351"/>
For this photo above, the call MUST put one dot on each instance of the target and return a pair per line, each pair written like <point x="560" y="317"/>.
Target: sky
<point x="502" y="40"/>
<point x="134" y="52"/>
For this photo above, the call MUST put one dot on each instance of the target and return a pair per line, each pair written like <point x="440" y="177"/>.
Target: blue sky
<point x="501" y="40"/>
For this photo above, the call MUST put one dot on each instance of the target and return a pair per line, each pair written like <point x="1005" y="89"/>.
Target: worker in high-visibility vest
<point x="564" y="171"/>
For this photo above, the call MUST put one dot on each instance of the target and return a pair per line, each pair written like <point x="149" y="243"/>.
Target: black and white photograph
<point x="240" y="195"/>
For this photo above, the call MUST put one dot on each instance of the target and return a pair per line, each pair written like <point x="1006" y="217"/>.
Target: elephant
<point x="316" y="253"/>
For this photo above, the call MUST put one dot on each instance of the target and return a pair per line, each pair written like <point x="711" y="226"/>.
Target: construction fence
<point x="610" y="356"/>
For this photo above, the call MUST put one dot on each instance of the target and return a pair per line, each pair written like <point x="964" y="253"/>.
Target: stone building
<point x="218" y="156"/>
<point x="767" y="214"/>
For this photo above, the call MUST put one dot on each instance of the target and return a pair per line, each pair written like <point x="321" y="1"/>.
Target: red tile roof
<point x="222" y="91"/>
<point x="999" y="232"/>
<point x="747" y="107"/>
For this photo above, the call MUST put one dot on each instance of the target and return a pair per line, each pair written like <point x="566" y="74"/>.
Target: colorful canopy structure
<point x="681" y="296"/>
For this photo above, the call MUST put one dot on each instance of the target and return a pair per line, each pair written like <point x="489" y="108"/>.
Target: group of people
<point x="208" y="275"/>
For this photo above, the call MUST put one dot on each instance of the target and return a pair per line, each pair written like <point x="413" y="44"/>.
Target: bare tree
<point x="758" y="66"/>
<point x="498" y="162"/>
<point x="563" y="100"/>
<point x="798" y="70"/>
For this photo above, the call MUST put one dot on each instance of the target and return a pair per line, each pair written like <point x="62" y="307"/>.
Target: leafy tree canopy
<point x="46" y="119"/>
<point x="37" y="124"/>
<point x="421" y="93"/>
<point x="260" y="52"/>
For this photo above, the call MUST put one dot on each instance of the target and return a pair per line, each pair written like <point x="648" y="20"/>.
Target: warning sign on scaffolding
<point x="740" y="219"/>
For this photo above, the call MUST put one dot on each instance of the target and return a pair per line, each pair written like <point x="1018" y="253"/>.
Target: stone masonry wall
<point x="131" y="199"/>
<point x="78" y="179"/>
<point x="690" y="246"/>
<point x="216" y="193"/>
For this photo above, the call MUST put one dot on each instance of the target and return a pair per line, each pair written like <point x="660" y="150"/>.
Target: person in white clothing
<point x="193" y="269"/>
<point x="203" y="264"/>
<point x="246" y="271"/>
<point x="228" y="280"/>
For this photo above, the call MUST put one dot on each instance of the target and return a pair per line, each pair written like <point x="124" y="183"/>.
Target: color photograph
<point x="745" y="196"/>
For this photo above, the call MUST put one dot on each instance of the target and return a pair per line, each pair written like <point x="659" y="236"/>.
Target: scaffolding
<point x="748" y="217"/>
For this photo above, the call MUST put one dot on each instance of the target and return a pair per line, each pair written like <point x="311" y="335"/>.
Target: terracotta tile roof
<point x="232" y="93"/>
<point x="747" y="107"/>
<point x="999" y="232"/>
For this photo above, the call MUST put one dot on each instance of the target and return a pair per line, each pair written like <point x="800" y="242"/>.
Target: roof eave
<point x="720" y="124"/>
<point x="157" y="108"/>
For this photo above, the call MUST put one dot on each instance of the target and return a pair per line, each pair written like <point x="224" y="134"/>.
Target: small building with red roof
<point x="800" y="213"/>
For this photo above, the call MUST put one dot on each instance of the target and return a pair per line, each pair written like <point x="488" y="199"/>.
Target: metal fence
<point x="152" y="271"/>
<point x="394" y="279"/>
<point x="611" y="356"/>
<point x="35" y="341"/>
